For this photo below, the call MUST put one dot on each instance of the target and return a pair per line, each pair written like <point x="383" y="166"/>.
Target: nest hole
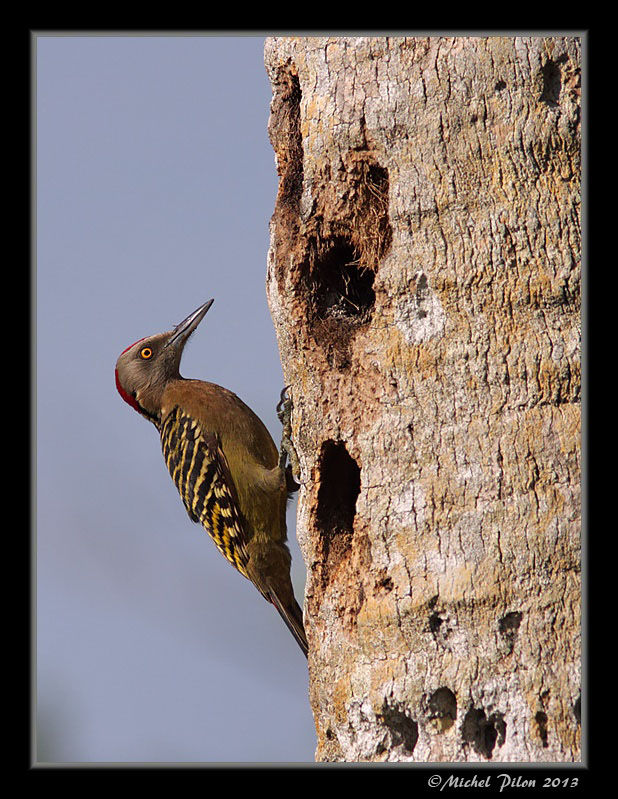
<point x="337" y="495"/>
<point x="339" y="489"/>
<point x="341" y="287"/>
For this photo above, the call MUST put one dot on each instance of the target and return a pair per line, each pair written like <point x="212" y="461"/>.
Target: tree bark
<point x="424" y="281"/>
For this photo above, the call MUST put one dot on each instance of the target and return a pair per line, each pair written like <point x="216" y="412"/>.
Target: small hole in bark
<point x="435" y="622"/>
<point x="577" y="709"/>
<point x="443" y="708"/>
<point x="483" y="733"/>
<point x="509" y="624"/>
<point x="541" y="723"/>
<point x="403" y="729"/>
<point x="421" y="294"/>
<point x="500" y="85"/>
<point x="552" y="82"/>
<point x="384" y="584"/>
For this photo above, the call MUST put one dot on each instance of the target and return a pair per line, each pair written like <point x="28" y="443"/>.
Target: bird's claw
<point x="284" y="406"/>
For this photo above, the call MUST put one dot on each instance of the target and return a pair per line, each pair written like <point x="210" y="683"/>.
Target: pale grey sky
<point x="155" y="183"/>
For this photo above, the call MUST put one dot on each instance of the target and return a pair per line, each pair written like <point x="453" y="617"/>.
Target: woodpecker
<point x="222" y="459"/>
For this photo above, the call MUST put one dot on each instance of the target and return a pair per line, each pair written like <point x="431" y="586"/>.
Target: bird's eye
<point x="146" y="353"/>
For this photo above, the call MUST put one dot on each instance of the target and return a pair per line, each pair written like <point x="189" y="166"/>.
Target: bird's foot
<point x="287" y="449"/>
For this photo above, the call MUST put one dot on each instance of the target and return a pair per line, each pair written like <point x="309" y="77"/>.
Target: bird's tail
<point x="293" y="617"/>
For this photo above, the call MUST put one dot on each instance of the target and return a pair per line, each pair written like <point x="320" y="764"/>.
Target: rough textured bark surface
<point x="424" y="280"/>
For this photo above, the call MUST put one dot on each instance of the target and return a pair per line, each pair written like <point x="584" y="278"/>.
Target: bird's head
<point x="145" y="368"/>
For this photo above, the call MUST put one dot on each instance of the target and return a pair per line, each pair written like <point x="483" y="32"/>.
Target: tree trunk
<point x="424" y="280"/>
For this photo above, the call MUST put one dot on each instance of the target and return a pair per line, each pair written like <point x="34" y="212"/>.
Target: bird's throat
<point x="131" y="400"/>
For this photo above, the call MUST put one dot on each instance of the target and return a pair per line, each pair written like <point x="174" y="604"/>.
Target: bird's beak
<point x="182" y="331"/>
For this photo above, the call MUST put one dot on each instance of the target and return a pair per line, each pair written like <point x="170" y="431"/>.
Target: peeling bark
<point x="424" y="280"/>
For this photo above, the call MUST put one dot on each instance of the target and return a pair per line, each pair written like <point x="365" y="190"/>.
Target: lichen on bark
<point x="424" y="280"/>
